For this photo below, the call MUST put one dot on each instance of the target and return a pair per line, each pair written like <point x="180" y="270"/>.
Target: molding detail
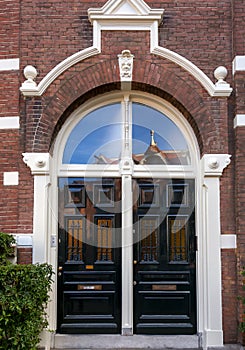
<point x="37" y="162"/>
<point x="125" y="60"/>
<point x="38" y="90"/>
<point x="9" y="123"/>
<point x="128" y="15"/>
<point x="214" y="90"/>
<point x="239" y="120"/>
<point x="214" y="164"/>
<point x="129" y="10"/>
<point x="228" y="241"/>
<point x="9" y="64"/>
<point x="238" y="64"/>
<point x="11" y="178"/>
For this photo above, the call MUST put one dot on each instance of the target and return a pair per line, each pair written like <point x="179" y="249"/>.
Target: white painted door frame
<point x="207" y="172"/>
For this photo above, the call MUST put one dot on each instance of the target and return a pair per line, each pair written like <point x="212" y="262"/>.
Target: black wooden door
<point x="164" y="257"/>
<point x="89" y="270"/>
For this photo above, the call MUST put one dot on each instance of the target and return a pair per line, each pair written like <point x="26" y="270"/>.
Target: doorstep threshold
<point x="135" y="342"/>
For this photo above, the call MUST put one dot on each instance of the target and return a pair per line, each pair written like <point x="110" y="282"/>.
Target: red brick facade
<point x="209" y="33"/>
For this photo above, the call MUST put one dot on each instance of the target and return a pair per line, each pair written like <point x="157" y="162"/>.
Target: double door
<point x="90" y="250"/>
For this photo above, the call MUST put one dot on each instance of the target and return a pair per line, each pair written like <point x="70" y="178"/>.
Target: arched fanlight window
<point x="98" y="138"/>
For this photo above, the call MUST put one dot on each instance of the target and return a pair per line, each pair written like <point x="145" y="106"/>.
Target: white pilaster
<point x="126" y="168"/>
<point x="127" y="257"/>
<point x="39" y="165"/>
<point x="213" y="166"/>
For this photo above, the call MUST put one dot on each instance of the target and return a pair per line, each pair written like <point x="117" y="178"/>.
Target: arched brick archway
<point x="46" y="114"/>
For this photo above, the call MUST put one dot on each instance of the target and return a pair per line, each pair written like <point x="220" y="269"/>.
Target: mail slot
<point x="89" y="287"/>
<point x="164" y="287"/>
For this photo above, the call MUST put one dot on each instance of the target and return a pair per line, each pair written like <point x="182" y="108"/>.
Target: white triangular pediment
<point x="125" y="9"/>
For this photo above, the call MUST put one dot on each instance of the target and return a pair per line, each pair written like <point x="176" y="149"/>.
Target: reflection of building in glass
<point x="153" y="155"/>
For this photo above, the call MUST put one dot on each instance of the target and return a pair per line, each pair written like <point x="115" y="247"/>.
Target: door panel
<point x="164" y="257"/>
<point x="89" y="272"/>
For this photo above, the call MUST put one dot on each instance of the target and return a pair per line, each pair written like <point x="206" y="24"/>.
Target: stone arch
<point x="166" y="80"/>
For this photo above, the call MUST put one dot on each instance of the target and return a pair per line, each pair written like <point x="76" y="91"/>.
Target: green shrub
<point x="24" y="294"/>
<point x="6" y="242"/>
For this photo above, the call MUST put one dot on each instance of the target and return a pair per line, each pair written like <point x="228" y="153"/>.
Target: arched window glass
<point x="156" y="138"/>
<point x="98" y="138"/>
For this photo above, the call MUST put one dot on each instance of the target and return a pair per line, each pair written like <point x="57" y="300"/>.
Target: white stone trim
<point x="37" y="162"/>
<point x="9" y="64"/>
<point x="238" y="64"/>
<point x="11" y="178"/>
<point x="228" y="241"/>
<point x="127" y="15"/>
<point x="39" y="165"/>
<point x="210" y="241"/>
<point x="129" y="9"/>
<point x="213" y="166"/>
<point x="239" y="120"/>
<point x="38" y="90"/>
<point x="9" y="123"/>
<point x="214" y="90"/>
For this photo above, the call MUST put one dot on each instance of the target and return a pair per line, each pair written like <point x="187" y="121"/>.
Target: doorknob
<point x="135" y="262"/>
<point x="60" y="268"/>
<point x="134" y="283"/>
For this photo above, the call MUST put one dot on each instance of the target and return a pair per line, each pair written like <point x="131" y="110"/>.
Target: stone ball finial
<point x="30" y="73"/>
<point x="220" y="74"/>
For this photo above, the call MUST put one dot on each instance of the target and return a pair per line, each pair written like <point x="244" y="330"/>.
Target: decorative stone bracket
<point x="37" y="162"/>
<point x="125" y="60"/>
<point x="214" y="164"/>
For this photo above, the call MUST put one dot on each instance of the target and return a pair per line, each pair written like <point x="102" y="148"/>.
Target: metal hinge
<point x="196" y="243"/>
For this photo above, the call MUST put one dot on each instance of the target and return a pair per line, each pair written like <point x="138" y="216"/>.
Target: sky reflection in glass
<point x="98" y="136"/>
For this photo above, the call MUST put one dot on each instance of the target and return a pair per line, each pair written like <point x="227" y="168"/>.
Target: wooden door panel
<point x="89" y="275"/>
<point x="164" y="259"/>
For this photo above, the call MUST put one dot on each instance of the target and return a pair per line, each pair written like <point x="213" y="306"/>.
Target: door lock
<point x="134" y="283"/>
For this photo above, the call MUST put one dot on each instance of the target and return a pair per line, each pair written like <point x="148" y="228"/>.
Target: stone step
<point x="135" y="342"/>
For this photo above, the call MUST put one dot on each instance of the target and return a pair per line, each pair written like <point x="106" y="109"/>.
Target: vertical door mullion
<point x="127" y="220"/>
<point x="127" y="256"/>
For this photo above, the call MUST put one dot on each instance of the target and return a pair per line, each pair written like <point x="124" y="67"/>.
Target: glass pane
<point x="177" y="232"/>
<point x="104" y="238"/>
<point x="149" y="238"/>
<point x="156" y="139"/>
<point x="97" y="138"/>
<point x="74" y="239"/>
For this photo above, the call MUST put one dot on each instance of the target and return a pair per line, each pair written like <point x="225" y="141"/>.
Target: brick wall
<point x="9" y="107"/>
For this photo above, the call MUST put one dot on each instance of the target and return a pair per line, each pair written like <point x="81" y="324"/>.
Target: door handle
<point x="134" y="283"/>
<point x="135" y="262"/>
<point x="60" y="268"/>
